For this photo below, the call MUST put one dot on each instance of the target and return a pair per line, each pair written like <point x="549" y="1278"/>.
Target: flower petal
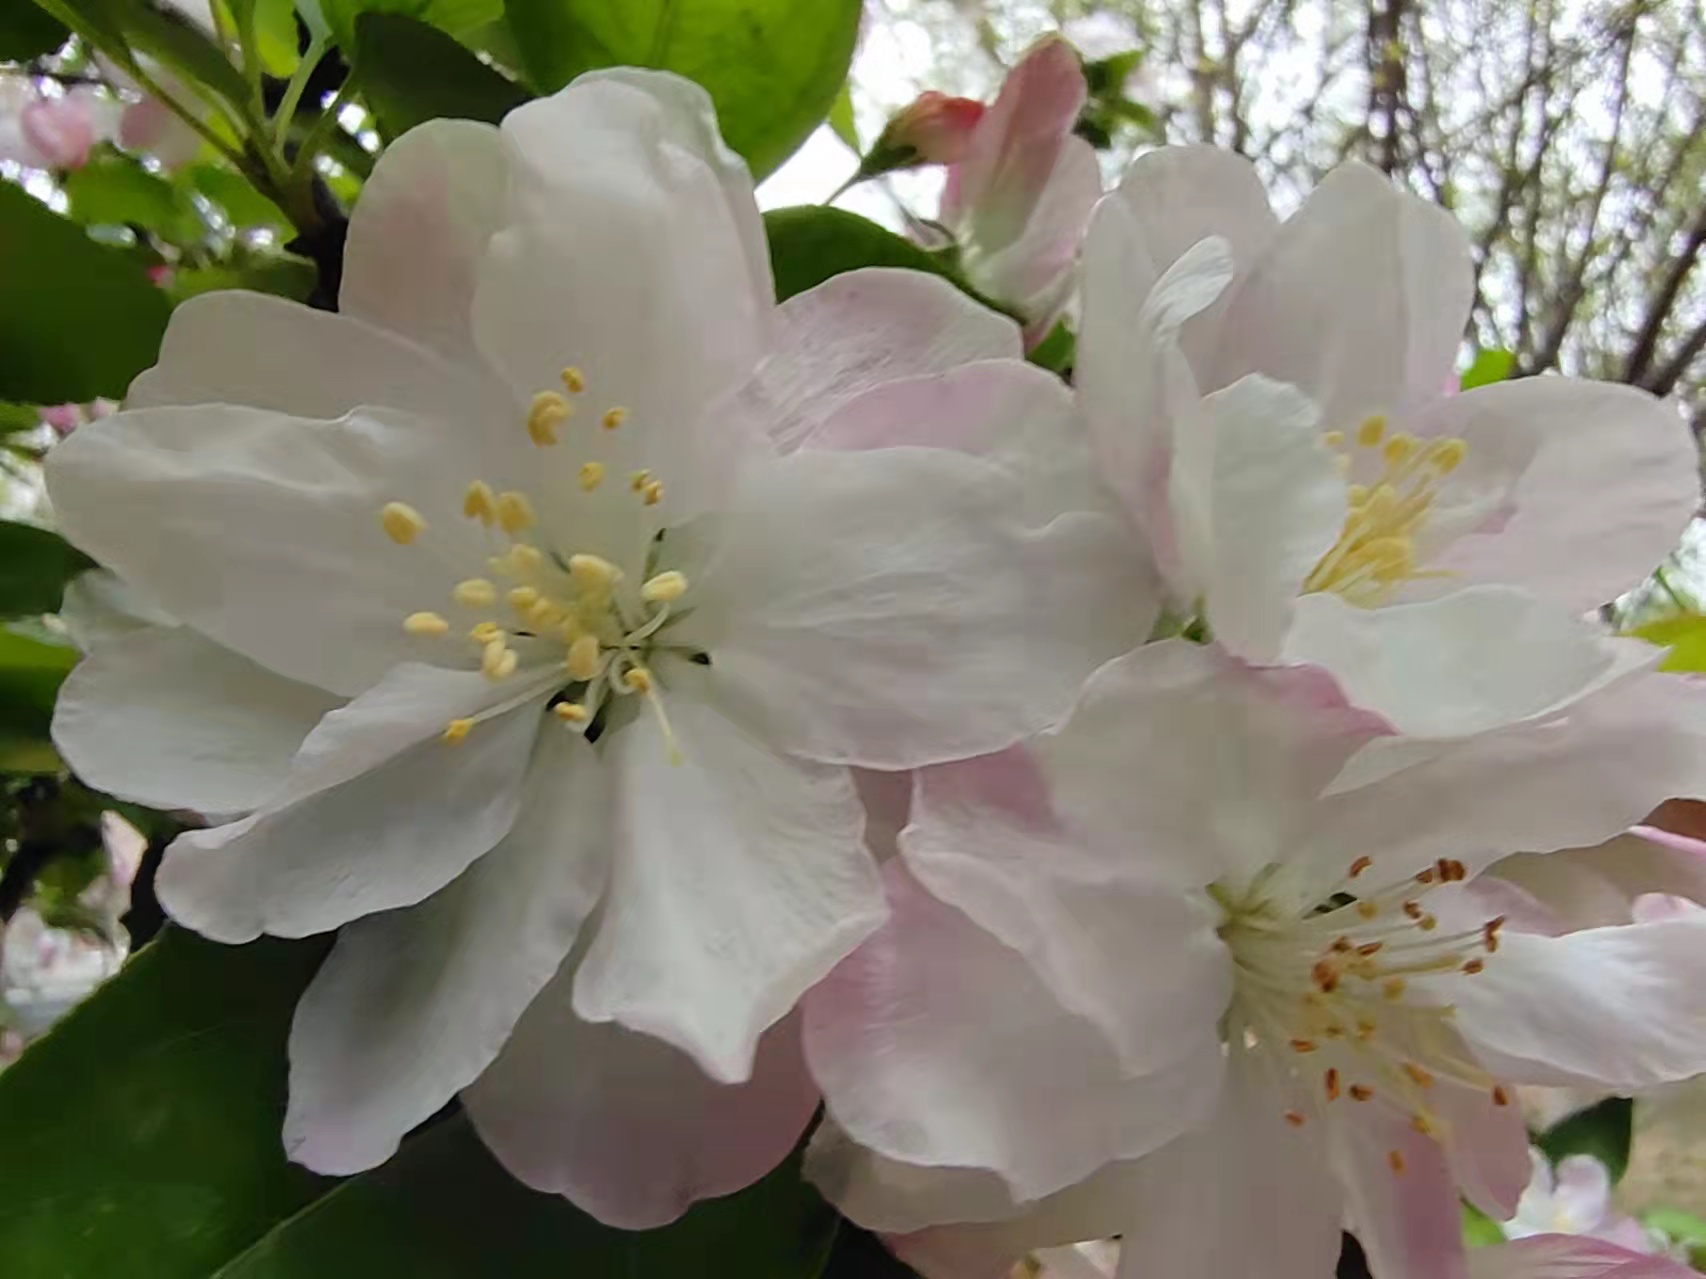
<point x="1623" y="1006"/>
<point x="377" y="813"/>
<point x="1475" y="660"/>
<point x="101" y="606"/>
<point x="626" y="1126"/>
<point x="897" y="1197"/>
<point x="935" y="1044"/>
<point x="984" y="837"/>
<point x="1486" y="1147"/>
<point x="887" y="608"/>
<point x="740" y="878"/>
<point x="418" y="232"/>
<point x="856" y="332"/>
<point x="413" y="1004"/>
<point x="1570" y="1257"/>
<point x="164" y="717"/>
<point x="1400" y="1201"/>
<point x="1605" y="498"/>
<point x="1359" y="302"/>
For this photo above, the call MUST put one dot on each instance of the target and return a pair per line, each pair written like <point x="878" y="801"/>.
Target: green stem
<point x="294" y="90"/>
<point x="303" y="170"/>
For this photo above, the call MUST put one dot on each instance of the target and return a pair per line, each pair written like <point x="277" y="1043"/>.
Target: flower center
<point x="1328" y="988"/>
<point x="572" y="609"/>
<point x="1376" y="550"/>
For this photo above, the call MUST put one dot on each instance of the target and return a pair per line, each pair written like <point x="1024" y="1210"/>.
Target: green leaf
<point x="231" y="191"/>
<point x="1489" y="366"/>
<point x="35" y="565"/>
<point x="1057" y="351"/>
<point x="414" y="73"/>
<point x="1684" y="635"/>
<point x="142" y="1134"/>
<point x="77" y="319"/>
<point x="1480" y="1230"/>
<point x="811" y="242"/>
<point x="115" y="190"/>
<point x="31" y="671"/>
<point x="284" y="277"/>
<point x="458" y="17"/>
<point x="1603" y="1130"/>
<point x="168" y="36"/>
<point x="773" y="67"/>
<point x="841" y="117"/>
<point x="27" y="32"/>
<point x="1679" y="1227"/>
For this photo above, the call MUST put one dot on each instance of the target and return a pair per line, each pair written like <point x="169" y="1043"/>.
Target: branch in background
<point x="1659" y="310"/>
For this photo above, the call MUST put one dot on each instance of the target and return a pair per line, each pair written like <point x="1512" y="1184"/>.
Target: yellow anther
<point x="1447" y="455"/>
<point x="1357" y="495"/>
<point x="1419" y="1075"/>
<point x="1369" y="433"/>
<point x="1394" y="988"/>
<point x="614" y="417"/>
<point x="497" y="660"/>
<point x="1395" y="1161"/>
<point x="593" y="572"/>
<point x="637" y="480"/>
<point x="545" y="612"/>
<point x="1361" y="1092"/>
<point x="570" y="712"/>
<point x="638" y="679"/>
<point x="485" y="633"/>
<point x="1424" y="1124"/>
<point x="402" y="522"/>
<point x="426" y="624"/>
<point x="515" y="512"/>
<point x="521" y="560"/>
<point x="522" y="598"/>
<point x="476" y="592"/>
<point x="665" y="588"/>
<point x="652" y="492"/>
<point x="592" y="475"/>
<point x="584" y="657"/>
<point x="574" y="381"/>
<point x="457" y="729"/>
<point x="547" y="413"/>
<point x="1333" y="439"/>
<point x="1399" y="448"/>
<point x="1368" y="909"/>
<point x="480" y="503"/>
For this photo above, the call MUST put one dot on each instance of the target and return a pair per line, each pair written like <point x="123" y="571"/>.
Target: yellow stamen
<point x="652" y="492"/>
<point x="515" y="512"/>
<point x="426" y="624"/>
<point x="570" y="712"/>
<point x="522" y="598"/>
<point x="637" y="480"/>
<point x="521" y="560"/>
<point x="593" y="572"/>
<point x="592" y="475"/>
<point x="546" y="415"/>
<point x="497" y="661"/>
<point x="665" y="588"/>
<point x="584" y="657"/>
<point x="1369" y="433"/>
<point x="480" y="503"/>
<point x="574" y="381"/>
<point x="638" y="679"/>
<point x="1399" y="448"/>
<point x="1447" y="455"/>
<point x="485" y="633"/>
<point x="476" y="592"/>
<point x="457" y="729"/>
<point x="402" y="522"/>
<point x="614" y="417"/>
<point x="1419" y="1075"/>
<point x="1333" y="439"/>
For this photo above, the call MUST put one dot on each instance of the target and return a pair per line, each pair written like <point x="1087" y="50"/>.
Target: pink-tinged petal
<point x="740" y="878"/>
<point x="1360" y="300"/>
<point x="1582" y="1192"/>
<point x="627" y="1127"/>
<point x="1400" y="1200"/>
<point x="1016" y="146"/>
<point x="165" y="717"/>
<point x="1191" y="767"/>
<point x="887" y="798"/>
<point x="378" y="812"/>
<point x="856" y="332"/>
<point x="1177" y="196"/>
<point x="937" y="127"/>
<point x="1244" y="1193"/>
<point x="937" y="1045"/>
<point x="1486" y="1147"/>
<point x="984" y="837"/>
<point x="899" y="1198"/>
<point x="1624" y="1006"/>
<point x="1570" y="1257"/>
<point x="419" y="230"/>
<point x="413" y="1004"/>
<point x="1590" y="887"/>
<point x="152" y="127"/>
<point x="1605" y="498"/>
<point x="62" y="131"/>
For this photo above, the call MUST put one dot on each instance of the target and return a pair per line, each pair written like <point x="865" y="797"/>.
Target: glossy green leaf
<point x="28" y="32"/>
<point x="172" y="39"/>
<point x="457" y="17"/>
<point x="142" y="1133"/>
<point x="1489" y="366"/>
<point x="1604" y="1130"/>
<point x="77" y="319"/>
<point x="35" y="565"/>
<point x="413" y="73"/>
<point x="1685" y="637"/>
<point x="812" y="242"/>
<point x="773" y="67"/>
<point x="115" y="190"/>
<point x="231" y="191"/>
<point x="31" y="670"/>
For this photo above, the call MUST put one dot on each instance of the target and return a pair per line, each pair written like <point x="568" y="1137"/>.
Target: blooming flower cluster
<point x="1148" y="808"/>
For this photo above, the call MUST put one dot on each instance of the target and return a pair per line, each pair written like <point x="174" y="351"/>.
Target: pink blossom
<point x="62" y="131"/>
<point x="937" y="128"/>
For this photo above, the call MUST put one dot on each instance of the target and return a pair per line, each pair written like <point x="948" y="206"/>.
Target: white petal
<point x="1477" y="659"/>
<point x="1407" y="1217"/>
<point x="1272" y="502"/>
<point x="984" y="837"/>
<point x="378" y="813"/>
<point x="626" y="254"/>
<point x="1191" y="767"/>
<point x="164" y="717"/>
<point x="263" y="531"/>
<point x="1360" y="300"/>
<point x="1624" y="1006"/>
<point x="1486" y="1147"/>
<point x="413" y="1004"/>
<point x="889" y="609"/>
<point x="1570" y="1257"/>
<point x="935" y="1044"/>
<point x="99" y="605"/>
<point x="896" y="1197"/>
<point x="1589" y="887"/>
<point x="1605" y="498"/>
<point x="740" y="878"/>
<point x="625" y="1125"/>
<point x="858" y="331"/>
<point x="419" y="230"/>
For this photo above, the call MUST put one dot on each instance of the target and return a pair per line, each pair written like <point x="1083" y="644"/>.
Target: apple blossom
<point x="507" y="612"/>
<point x="1574" y="1199"/>
<point x="933" y="129"/>
<point x="1432" y="551"/>
<point x="1570" y="1257"/>
<point x="58" y="133"/>
<point x="1174" y="972"/>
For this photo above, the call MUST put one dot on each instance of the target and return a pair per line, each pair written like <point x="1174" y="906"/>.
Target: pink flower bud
<point x="61" y="130"/>
<point x="63" y="418"/>
<point x="938" y="128"/>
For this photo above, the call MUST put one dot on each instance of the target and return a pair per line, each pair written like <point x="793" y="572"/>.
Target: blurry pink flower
<point x="151" y="126"/>
<point x="1574" y="1199"/>
<point x="160" y="276"/>
<point x="62" y="131"/>
<point x="936" y="128"/>
<point x="63" y="418"/>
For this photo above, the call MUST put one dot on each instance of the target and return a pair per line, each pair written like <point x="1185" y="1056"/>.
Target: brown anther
<point x="1501" y="1095"/>
<point x="1360" y="864"/>
<point x="1413" y="910"/>
<point x="1296" y="1118"/>
<point x="1361" y="1092"/>
<point x="1371" y="948"/>
<point x="1424" y="1125"/>
<point x="1427" y="923"/>
<point x="1473" y="966"/>
<point x="1340" y="945"/>
<point x="1395" y="1161"/>
<point x="1326" y="976"/>
<point x="1394" y="988"/>
<point x="1366" y="1029"/>
<point x="1331" y="1083"/>
<point x="1303" y="1045"/>
<point x="1334" y="1030"/>
<point x="1426" y="877"/>
<point x="1459" y="872"/>
<point x="1419" y="1074"/>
